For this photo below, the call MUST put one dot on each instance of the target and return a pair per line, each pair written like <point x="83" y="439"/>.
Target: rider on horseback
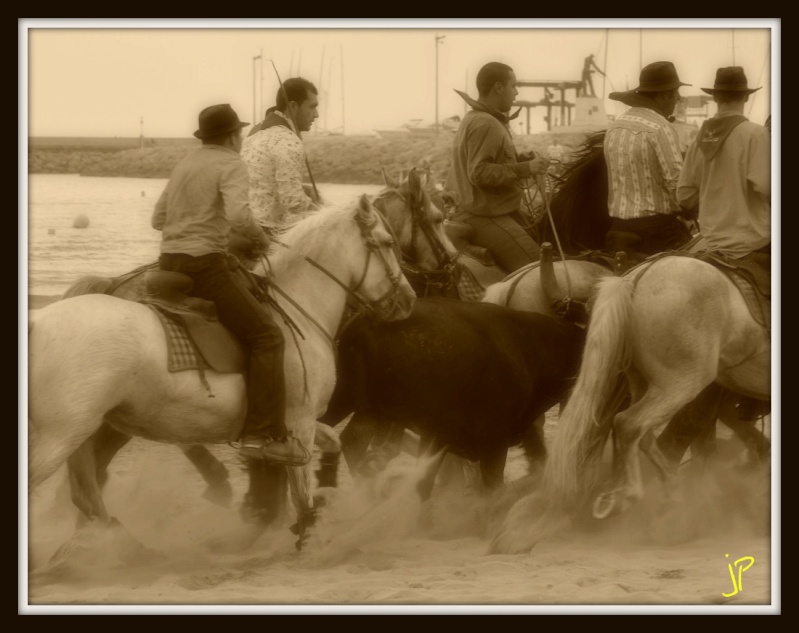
<point x="643" y="158"/>
<point x="486" y="174"/>
<point x="206" y="197"/>
<point x="727" y="175"/>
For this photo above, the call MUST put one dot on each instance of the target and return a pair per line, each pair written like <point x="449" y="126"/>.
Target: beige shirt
<point x="205" y="197"/>
<point x="732" y="190"/>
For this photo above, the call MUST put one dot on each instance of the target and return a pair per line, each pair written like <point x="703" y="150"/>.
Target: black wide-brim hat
<point x="730" y="79"/>
<point x="218" y="119"/>
<point x="654" y="77"/>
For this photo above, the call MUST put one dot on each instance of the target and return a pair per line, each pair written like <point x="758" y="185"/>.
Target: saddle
<point x="195" y="337"/>
<point x="461" y="234"/>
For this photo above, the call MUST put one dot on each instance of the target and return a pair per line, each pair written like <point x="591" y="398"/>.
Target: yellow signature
<point x="737" y="584"/>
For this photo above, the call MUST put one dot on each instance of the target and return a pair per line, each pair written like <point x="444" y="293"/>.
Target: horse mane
<point x="306" y="232"/>
<point x="580" y="204"/>
<point x="90" y="284"/>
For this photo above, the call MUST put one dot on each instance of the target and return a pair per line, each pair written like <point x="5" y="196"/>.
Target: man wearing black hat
<point x="642" y="152"/>
<point x="727" y="174"/>
<point x="206" y="197"/>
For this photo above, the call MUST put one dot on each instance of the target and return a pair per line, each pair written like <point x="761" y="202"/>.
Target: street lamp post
<point x="439" y="38"/>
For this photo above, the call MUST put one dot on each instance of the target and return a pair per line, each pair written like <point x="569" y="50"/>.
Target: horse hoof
<point x="221" y="494"/>
<point x="606" y="505"/>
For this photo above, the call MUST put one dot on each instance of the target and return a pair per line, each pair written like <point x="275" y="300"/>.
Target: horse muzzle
<point x="397" y="305"/>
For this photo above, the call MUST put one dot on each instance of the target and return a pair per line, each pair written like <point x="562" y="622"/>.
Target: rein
<point x="356" y="304"/>
<point x="442" y="277"/>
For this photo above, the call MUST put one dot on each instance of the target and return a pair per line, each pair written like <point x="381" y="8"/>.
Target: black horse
<point x="472" y="376"/>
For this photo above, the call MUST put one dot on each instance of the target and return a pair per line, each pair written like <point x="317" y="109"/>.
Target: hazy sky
<point x="91" y="77"/>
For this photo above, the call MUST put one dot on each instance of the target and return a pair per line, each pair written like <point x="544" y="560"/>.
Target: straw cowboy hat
<point x="730" y="79"/>
<point x="218" y="119"/>
<point x="654" y="77"/>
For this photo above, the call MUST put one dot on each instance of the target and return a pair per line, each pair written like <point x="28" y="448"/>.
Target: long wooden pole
<point x="286" y="97"/>
<point x="343" y="117"/>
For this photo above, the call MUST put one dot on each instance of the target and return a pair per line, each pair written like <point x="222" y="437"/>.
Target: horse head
<point x="428" y="254"/>
<point x="381" y="286"/>
<point x="579" y="204"/>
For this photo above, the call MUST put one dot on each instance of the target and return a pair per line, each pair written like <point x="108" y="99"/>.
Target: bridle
<point x="356" y="304"/>
<point x="442" y="277"/>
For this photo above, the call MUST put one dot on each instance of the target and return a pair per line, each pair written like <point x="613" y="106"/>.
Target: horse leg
<point x="630" y="427"/>
<point x="82" y="467"/>
<point x="691" y="425"/>
<point x="533" y="444"/>
<point x="328" y="442"/>
<point x="756" y="443"/>
<point x="213" y="472"/>
<point x="265" y="500"/>
<point x="355" y="440"/>
<point x="107" y="443"/>
<point x="436" y="452"/>
<point x="492" y="468"/>
<point x="300" y="486"/>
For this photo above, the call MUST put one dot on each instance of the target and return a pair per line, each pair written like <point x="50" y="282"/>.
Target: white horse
<point x="658" y="337"/>
<point x="99" y="361"/>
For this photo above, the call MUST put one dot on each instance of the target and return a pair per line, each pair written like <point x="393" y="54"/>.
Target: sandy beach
<point x="376" y="546"/>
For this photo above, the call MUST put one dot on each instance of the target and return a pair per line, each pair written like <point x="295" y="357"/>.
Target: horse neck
<point x="315" y="292"/>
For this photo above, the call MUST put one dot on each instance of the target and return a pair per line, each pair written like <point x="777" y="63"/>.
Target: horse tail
<point x="89" y="285"/>
<point x="598" y="392"/>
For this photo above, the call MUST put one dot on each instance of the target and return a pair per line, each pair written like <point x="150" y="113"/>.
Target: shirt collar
<point x="288" y="120"/>
<point x="482" y="107"/>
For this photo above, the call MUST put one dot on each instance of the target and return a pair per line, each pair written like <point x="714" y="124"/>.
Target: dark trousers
<point x="649" y="235"/>
<point x="504" y="237"/>
<point x="251" y="322"/>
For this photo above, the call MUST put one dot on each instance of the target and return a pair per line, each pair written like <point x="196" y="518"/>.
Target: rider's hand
<point x="526" y="156"/>
<point x="538" y="166"/>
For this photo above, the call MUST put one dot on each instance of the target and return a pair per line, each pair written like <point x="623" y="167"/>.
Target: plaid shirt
<point x="642" y="152"/>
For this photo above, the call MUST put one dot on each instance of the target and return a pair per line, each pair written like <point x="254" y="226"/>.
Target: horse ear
<point x="415" y="185"/>
<point x="364" y="211"/>
<point x="388" y="180"/>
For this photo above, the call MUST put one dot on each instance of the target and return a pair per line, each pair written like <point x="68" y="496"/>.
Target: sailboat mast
<point x="605" y="63"/>
<point x="341" y="59"/>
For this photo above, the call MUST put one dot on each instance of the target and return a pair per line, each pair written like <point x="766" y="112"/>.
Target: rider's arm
<point x="483" y="144"/>
<point x="667" y="149"/>
<point x="234" y="186"/>
<point x="288" y="173"/>
<point x="159" y="215"/>
<point x="688" y="184"/>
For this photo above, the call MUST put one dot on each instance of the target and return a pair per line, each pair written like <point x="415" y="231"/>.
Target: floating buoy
<point x="50" y="231"/>
<point x="80" y="222"/>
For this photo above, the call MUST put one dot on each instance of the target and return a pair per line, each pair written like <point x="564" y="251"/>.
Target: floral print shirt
<point x="275" y="159"/>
